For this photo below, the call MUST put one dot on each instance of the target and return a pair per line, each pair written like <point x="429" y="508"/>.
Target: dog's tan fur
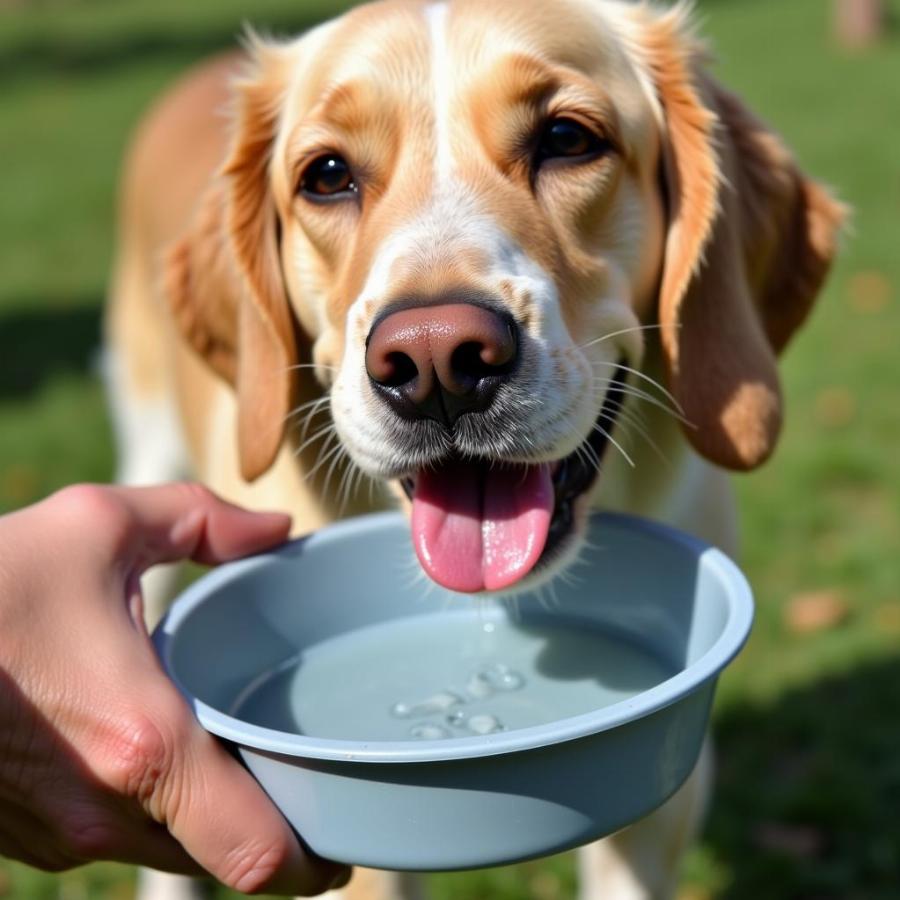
<point x="699" y="225"/>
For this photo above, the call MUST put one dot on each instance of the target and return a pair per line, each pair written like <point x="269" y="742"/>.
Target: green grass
<point x="807" y="724"/>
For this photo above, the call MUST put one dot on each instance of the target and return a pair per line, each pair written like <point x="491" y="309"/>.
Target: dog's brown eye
<point x="328" y="177"/>
<point x="567" y="139"/>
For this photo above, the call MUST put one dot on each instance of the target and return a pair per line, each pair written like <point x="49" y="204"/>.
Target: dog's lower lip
<point x="574" y="474"/>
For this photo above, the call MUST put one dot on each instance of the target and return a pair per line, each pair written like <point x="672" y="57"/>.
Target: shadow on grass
<point x="63" y="54"/>
<point x="809" y="788"/>
<point x="39" y="341"/>
<point x="58" y="55"/>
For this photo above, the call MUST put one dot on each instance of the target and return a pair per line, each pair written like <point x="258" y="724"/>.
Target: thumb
<point x="229" y="826"/>
<point x="186" y="521"/>
<point x="211" y="805"/>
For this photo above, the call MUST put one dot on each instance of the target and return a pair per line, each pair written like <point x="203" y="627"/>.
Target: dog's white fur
<point x="700" y="203"/>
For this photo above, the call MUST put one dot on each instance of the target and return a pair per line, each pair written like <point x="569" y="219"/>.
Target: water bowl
<point x="400" y="726"/>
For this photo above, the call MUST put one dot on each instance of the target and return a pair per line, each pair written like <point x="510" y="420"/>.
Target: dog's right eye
<point x="328" y="177"/>
<point x="565" y="139"/>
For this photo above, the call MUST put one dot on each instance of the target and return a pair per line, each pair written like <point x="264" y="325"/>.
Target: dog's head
<point x="467" y="215"/>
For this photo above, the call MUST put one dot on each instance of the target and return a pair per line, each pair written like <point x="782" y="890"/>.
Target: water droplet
<point x="484" y="724"/>
<point x="480" y="723"/>
<point x="436" y="703"/>
<point x="496" y="677"/>
<point x="427" y="731"/>
<point x="478" y="687"/>
<point x="489" y="627"/>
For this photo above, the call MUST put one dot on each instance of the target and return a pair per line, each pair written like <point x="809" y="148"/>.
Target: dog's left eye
<point x="567" y="139"/>
<point x="328" y="177"/>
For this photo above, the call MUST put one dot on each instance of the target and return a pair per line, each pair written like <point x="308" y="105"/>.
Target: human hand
<point x="100" y="757"/>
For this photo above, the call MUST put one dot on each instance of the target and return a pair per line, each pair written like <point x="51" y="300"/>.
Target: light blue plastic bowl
<point x="469" y="800"/>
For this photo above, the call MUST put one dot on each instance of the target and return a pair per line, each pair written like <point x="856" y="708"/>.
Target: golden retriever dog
<point x="507" y="261"/>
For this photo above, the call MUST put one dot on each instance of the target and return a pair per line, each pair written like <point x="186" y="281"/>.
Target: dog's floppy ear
<point x="749" y="242"/>
<point x="224" y="281"/>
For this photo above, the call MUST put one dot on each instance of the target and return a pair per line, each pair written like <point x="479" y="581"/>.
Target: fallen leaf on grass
<point x="815" y="611"/>
<point x="869" y="291"/>
<point x="797" y="841"/>
<point x="887" y="617"/>
<point x="19" y="483"/>
<point x="694" y="893"/>
<point x="546" y="886"/>
<point x="835" y="407"/>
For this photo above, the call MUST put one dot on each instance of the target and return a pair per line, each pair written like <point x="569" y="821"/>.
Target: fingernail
<point x="274" y="518"/>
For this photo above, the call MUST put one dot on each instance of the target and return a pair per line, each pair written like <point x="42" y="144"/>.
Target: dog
<point x="508" y="262"/>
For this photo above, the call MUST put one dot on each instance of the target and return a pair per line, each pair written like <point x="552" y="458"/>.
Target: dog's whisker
<point x="303" y="440"/>
<point x="324" y="456"/>
<point x="588" y="453"/>
<point x="312" y="409"/>
<point x="336" y="460"/>
<point x="315" y="402"/>
<point x="545" y="599"/>
<point x="638" y="394"/>
<point x="413" y="576"/>
<point x="621" y="331"/>
<point x="325" y="429"/>
<point x="588" y="456"/>
<point x="615" y="444"/>
<point x="350" y="482"/>
<point x="357" y="477"/>
<point x="330" y="440"/>
<point x="353" y="482"/>
<point x="625" y="434"/>
<point x="343" y="488"/>
<point x="309" y="366"/>
<point x="644" y="376"/>
<point x="632" y="419"/>
<point x="554" y="603"/>
<point x="569" y="578"/>
<point x="634" y="390"/>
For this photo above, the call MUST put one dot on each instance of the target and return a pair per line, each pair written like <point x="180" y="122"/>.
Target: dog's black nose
<point x="440" y="362"/>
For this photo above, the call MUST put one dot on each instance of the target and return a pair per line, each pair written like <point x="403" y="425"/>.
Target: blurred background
<point x="808" y="718"/>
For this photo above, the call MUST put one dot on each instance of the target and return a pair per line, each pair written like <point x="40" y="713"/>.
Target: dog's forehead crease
<point x="425" y="60"/>
<point x="360" y="55"/>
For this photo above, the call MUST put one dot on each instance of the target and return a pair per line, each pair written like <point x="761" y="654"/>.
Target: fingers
<point x="157" y="524"/>
<point x="146" y="844"/>
<point x="59" y="838"/>
<point x="149" y="525"/>
<point x="177" y="521"/>
<point x="231" y="828"/>
<point x="142" y="759"/>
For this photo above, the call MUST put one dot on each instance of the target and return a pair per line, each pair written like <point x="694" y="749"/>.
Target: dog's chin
<point x="490" y="526"/>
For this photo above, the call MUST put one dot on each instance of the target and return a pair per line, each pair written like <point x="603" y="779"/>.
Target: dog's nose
<point x="441" y="361"/>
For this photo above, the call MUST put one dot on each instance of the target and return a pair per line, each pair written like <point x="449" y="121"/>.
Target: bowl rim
<point x="666" y="693"/>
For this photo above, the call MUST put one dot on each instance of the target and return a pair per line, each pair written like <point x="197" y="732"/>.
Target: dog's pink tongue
<point x="480" y="529"/>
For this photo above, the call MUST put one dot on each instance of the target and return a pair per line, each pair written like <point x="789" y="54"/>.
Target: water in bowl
<point x="437" y="677"/>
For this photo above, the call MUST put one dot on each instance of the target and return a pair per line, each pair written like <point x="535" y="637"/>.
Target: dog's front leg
<point x="153" y="885"/>
<point x="373" y="884"/>
<point x="642" y="862"/>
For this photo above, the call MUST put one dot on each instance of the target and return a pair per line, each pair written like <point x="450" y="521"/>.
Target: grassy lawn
<point x="808" y="719"/>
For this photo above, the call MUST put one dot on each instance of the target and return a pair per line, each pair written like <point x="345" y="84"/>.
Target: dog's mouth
<point x="484" y="525"/>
